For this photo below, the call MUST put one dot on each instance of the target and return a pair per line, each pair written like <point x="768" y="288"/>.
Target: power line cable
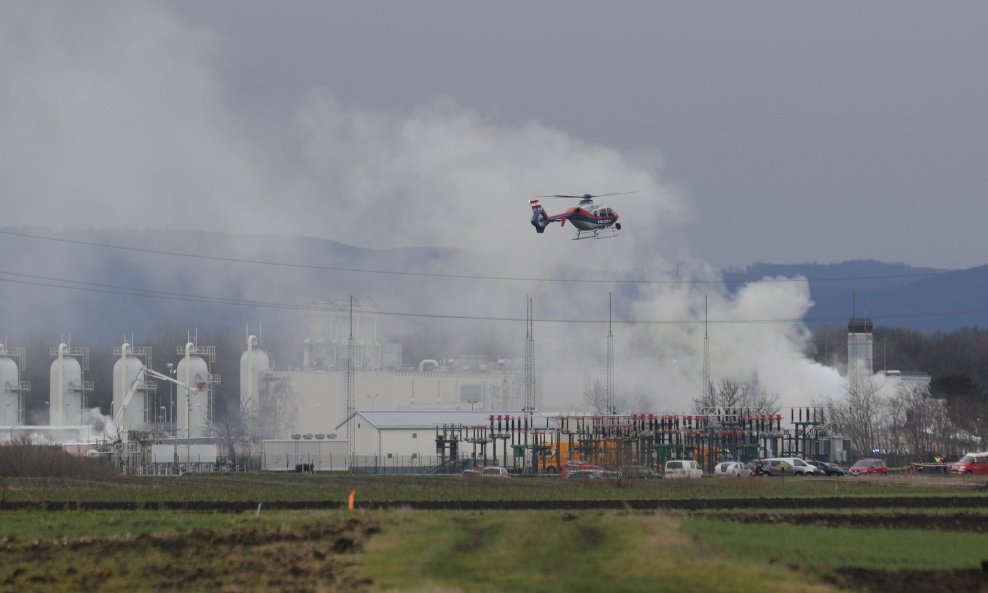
<point x="323" y="268"/>
<point x="94" y="287"/>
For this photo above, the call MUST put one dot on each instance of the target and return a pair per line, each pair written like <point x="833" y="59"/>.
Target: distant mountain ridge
<point x="113" y="292"/>
<point x="894" y="295"/>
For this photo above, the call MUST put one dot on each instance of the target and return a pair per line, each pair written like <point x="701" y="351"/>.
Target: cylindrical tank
<point x="254" y="362"/>
<point x="65" y="396"/>
<point x="128" y="373"/>
<point x="10" y="398"/>
<point x="192" y="404"/>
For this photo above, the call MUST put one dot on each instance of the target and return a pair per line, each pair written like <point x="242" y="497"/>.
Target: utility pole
<point x="529" y="358"/>
<point x="349" y="385"/>
<point x="609" y="388"/>
<point x="707" y="395"/>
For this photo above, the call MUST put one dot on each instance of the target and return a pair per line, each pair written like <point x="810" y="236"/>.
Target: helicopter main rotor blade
<point x="617" y="193"/>
<point x="585" y="196"/>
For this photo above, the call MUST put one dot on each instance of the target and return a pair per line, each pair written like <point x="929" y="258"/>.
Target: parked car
<point x="471" y="473"/>
<point x="732" y="469"/>
<point x="868" y="467"/>
<point x="799" y="466"/>
<point x="637" y="471"/>
<point x="971" y="464"/>
<point x="777" y="467"/>
<point x="495" y="471"/>
<point x="830" y="469"/>
<point x="683" y="468"/>
<point x="585" y="474"/>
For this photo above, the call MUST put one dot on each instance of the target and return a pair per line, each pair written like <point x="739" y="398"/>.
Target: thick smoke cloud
<point x="116" y="116"/>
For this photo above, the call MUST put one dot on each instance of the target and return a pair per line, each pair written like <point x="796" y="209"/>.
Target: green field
<point x="386" y="545"/>
<point x="333" y="489"/>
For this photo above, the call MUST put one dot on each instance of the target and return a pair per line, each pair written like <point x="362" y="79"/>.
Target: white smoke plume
<point x="116" y="116"/>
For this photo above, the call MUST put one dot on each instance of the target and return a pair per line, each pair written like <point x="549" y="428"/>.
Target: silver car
<point x="726" y="469"/>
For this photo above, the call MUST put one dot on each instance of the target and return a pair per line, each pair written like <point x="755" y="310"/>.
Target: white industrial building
<point x="315" y="401"/>
<point x="408" y="433"/>
<point x="332" y="324"/>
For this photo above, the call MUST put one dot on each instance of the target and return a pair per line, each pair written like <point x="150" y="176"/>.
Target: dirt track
<point x="959" y="521"/>
<point x="270" y="559"/>
<point x="913" y="581"/>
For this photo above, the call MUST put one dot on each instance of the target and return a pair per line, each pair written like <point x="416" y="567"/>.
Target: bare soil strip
<point x="306" y="559"/>
<point x="694" y="504"/>
<point x="955" y="521"/>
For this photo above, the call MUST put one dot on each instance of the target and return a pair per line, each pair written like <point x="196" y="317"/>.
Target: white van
<point x="682" y="468"/>
<point x="799" y="467"/>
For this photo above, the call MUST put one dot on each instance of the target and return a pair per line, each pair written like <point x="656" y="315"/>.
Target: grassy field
<point x="399" y="549"/>
<point x="267" y="487"/>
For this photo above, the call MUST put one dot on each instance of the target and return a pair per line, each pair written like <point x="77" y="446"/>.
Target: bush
<point x="25" y="459"/>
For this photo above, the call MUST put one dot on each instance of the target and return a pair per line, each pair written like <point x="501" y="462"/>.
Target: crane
<point x="121" y="414"/>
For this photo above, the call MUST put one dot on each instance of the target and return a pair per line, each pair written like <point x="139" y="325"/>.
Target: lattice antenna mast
<point x="609" y="388"/>
<point x="529" y="357"/>
<point x="349" y="381"/>
<point x="707" y="388"/>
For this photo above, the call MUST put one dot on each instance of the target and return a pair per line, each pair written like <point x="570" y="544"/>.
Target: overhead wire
<point x="596" y="280"/>
<point x="95" y="287"/>
<point x="52" y="282"/>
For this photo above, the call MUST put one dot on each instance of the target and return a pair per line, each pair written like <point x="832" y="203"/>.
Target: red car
<point x="865" y="467"/>
<point x="971" y="464"/>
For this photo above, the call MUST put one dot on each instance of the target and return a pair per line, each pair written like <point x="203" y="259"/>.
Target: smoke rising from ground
<point x="116" y="116"/>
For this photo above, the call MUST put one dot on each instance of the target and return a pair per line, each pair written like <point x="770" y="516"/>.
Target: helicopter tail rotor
<point x="540" y="219"/>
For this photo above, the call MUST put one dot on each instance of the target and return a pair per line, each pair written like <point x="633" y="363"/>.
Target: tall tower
<point x="860" y="350"/>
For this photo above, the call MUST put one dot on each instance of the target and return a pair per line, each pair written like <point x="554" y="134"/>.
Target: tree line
<point x="957" y="363"/>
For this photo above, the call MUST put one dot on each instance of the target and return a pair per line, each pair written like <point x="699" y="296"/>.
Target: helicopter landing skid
<point x="608" y="234"/>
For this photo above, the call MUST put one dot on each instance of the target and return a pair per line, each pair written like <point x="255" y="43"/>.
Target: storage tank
<point x="11" y="387"/>
<point x="128" y="373"/>
<point x="254" y="363"/>
<point x="193" y="406"/>
<point x="65" y="392"/>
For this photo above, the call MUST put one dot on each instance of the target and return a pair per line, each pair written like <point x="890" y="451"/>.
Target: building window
<point x="415" y="435"/>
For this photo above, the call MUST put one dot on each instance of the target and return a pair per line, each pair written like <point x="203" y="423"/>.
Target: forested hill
<point x="81" y="282"/>
<point x="893" y="295"/>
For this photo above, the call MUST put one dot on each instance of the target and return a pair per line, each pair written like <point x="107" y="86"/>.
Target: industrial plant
<point x="352" y="404"/>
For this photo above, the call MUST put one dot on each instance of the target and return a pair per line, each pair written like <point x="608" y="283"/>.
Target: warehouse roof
<point x="395" y="419"/>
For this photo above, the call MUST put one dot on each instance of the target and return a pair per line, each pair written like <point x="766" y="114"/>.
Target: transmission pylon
<point x="529" y="357"/>
<point x="706" y="392"/>
<point x="349" y="383"/>
<point x="609" y="387"/>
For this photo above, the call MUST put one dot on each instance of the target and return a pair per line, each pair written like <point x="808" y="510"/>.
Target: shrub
<point x="25" y="459"/>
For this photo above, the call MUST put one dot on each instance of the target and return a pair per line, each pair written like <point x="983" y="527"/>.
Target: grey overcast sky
<point x="778" y="131"/>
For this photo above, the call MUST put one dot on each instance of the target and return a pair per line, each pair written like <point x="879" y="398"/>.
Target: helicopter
<point x="591" y="221"/>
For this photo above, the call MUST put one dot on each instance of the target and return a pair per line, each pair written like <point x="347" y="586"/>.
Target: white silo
<point x="254" y="363"/>
<point x="11" y="387"/>
<point x="194" y="409"/>
<point x="66" y="395"/>
<point x="128" y="374"/>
